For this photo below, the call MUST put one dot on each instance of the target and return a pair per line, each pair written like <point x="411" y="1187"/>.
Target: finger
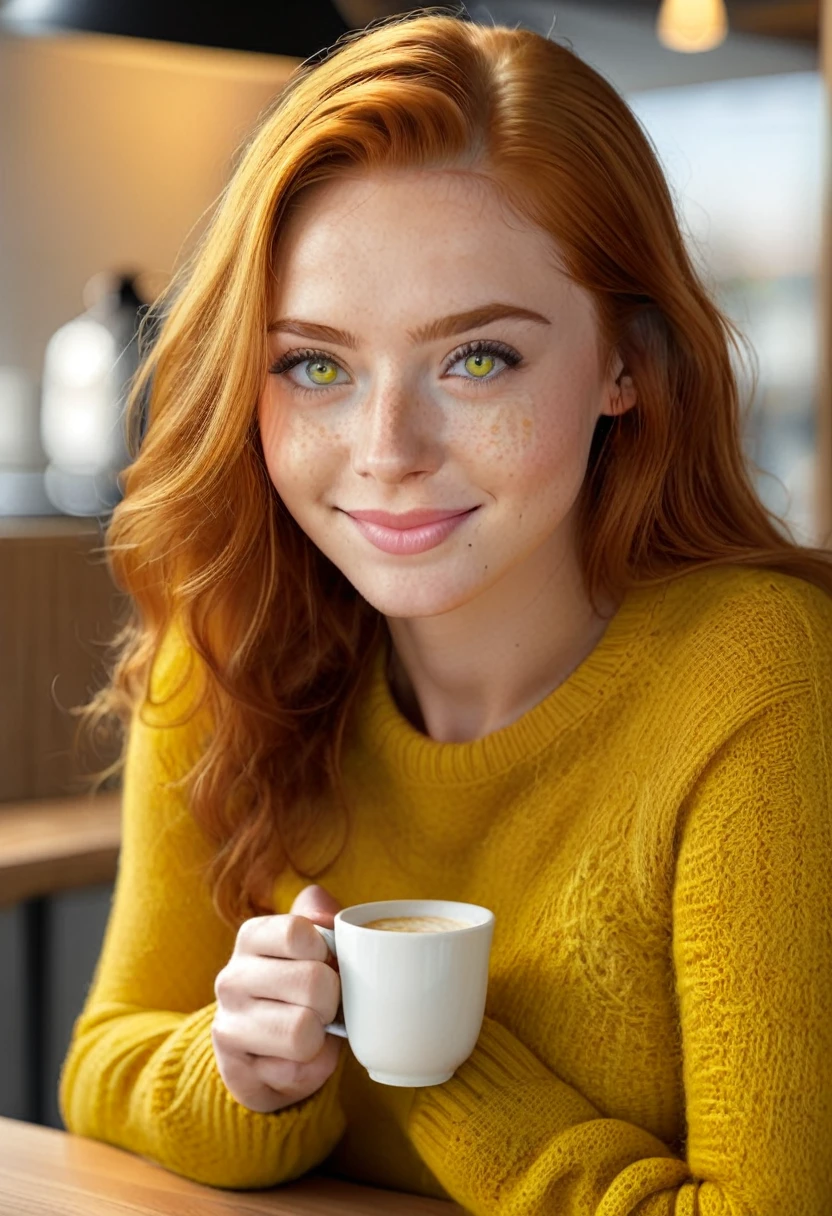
<point x="295" y="981"/>
<point x="270" y="1028"/>
<point x="317" y="904"/>
<point x="283" y="936"/>
<point x="292" y="1078"/>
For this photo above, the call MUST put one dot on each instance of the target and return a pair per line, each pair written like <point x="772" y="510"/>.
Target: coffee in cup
<point x="416" y="924"/>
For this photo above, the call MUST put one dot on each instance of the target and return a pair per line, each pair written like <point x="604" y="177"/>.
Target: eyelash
<point x="483" y="346"/>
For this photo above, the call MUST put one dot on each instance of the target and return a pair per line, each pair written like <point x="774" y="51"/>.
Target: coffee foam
<point x="416" y="924"/>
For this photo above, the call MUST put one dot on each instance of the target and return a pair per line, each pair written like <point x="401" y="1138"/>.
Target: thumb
<point x="316" y="904"/>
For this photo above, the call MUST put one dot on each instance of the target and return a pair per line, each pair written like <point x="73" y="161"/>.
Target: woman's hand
<point x="274" y="996"/>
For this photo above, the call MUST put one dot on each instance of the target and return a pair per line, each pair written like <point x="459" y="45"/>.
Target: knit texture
<point x="655" y="841"/>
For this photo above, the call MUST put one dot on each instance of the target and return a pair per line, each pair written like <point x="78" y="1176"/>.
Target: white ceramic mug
<point x="413" y="1002"/>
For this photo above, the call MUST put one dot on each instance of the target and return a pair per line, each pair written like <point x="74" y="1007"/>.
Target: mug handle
<point x="329" y="937"/>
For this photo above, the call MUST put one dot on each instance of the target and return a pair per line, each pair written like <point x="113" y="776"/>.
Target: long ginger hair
<point x="201" y="542"/>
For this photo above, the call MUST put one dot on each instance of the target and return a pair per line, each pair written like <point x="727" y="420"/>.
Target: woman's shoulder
<point x="755" y="590"/>
<point x="761" y="626"/>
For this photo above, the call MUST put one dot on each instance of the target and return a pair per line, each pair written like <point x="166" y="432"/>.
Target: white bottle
<point x="87" y="370"/>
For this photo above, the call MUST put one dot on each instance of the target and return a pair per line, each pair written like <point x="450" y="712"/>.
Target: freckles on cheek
<point x="298" y="447"/>
<point x="512" y="440"/>
<point x="505" y="438"/>
<point x="542" y="452"/>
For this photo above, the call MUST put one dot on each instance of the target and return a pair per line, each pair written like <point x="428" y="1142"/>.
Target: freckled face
<point x="394" y="424"/>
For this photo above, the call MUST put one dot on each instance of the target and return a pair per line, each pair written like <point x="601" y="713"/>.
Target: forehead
<point x="406" y="237"/>
<point x="399" y="207"/>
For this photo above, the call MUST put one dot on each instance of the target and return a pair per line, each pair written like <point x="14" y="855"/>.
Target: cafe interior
<point x="119" y="124"/>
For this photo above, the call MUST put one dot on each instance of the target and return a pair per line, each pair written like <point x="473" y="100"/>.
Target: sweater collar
<point x="385" y="733"/>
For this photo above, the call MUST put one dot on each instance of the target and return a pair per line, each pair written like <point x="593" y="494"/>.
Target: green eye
<point x="480" y="364"/>
<point x="478" y="359"/>
<point x="321" y="370"/>
<point x="317" y="364"/>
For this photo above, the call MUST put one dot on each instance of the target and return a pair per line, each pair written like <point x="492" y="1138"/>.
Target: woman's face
<point x="398" y="401"/>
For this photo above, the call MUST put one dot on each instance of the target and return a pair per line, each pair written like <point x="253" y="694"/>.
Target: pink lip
<point x="408" y="519"/>
<point x="413" y="538"/>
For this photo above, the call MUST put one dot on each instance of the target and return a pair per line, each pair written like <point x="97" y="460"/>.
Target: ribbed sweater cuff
<point x="505" y="1134"/>
<point x="204" y="1133"/>
<point x="500" y="1106"/>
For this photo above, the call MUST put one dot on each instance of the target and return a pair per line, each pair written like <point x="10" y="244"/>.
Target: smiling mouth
<point x="415" y="539"/>
<point x="408" y="519"/>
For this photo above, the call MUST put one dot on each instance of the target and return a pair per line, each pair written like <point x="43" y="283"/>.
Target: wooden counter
<point x="43" y="1171"/>
<point x="51" y="845"/>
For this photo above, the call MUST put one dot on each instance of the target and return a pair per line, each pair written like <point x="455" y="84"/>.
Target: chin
<point x="411" y="598"/>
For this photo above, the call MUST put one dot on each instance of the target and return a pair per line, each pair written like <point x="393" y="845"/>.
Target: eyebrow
<point x="442" y="327"/>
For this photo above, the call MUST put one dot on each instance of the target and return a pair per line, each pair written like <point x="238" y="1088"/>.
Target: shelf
<point x="55" y="844"/>
<point x="46" y="527"/>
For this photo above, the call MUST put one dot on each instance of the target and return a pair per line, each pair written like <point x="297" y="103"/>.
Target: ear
<point x="620" y="392"/>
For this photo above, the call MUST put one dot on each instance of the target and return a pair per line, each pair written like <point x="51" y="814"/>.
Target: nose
<point x="397" y="434"/>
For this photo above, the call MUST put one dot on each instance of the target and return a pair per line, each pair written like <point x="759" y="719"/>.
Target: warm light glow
<point x="692" y="25"/>
<point x="82" y="352"/>
<point x="79" y="420"/>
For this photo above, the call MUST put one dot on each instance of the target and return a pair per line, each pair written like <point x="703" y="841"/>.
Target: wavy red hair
<point x="201" y="539"/>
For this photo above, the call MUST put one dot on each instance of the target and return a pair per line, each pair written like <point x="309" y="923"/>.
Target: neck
<point x="473" y="670"/>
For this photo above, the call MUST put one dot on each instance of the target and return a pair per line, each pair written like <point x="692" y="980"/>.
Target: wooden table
<point x="45" y="1172"/>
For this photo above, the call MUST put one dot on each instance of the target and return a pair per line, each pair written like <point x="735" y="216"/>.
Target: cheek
<point x="530" y="442"/>
<point x="297" y="449"/>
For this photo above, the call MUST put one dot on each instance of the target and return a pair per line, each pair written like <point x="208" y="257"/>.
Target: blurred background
<point x="119" y="125"/>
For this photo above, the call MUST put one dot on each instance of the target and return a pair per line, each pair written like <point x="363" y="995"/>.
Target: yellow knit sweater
<point x="655" y="841"/>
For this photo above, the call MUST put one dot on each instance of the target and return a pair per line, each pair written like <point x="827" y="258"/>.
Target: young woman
<point x="450" y="582"/>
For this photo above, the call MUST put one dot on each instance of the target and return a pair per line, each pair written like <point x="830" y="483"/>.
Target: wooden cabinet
<point x="58" y="610"/>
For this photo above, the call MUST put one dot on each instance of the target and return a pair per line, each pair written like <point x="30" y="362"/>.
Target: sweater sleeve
<point x="140" y="1072"/>
<point x="752" y="954"/>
